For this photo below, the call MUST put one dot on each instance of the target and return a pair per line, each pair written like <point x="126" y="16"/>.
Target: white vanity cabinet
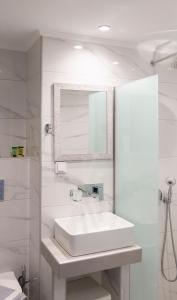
<point x="114" y="265"/>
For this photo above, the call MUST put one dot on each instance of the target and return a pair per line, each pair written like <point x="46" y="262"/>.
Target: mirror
<point x="82" y="122"/>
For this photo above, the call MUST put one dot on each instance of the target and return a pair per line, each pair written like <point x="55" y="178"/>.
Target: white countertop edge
<point x="65" y="265"/>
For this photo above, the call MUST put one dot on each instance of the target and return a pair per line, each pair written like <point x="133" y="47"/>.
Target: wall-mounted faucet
<point x="92" y="190"/>
<point x="88" y="190"/>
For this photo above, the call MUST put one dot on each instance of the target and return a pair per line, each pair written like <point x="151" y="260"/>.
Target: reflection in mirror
<point x="83" y="122"/>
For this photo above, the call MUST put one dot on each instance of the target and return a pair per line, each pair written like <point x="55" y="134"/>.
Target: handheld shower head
<point x="170" y="180"/>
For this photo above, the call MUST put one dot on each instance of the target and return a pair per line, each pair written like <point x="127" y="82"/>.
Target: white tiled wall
<point x="20" y="112"/>
<point x="12" y="100"/>
<point x="168" y="167"/>
<point x="61" y="63"/>
<point x="14" y="215"/>
<point x="34" y="150"/>
<point x="93" y="65"/>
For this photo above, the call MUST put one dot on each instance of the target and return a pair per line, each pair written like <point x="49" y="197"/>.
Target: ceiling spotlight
<point x="78" y="47"/>
<point x="104" y="28"/>
<point x="115" y="62"/>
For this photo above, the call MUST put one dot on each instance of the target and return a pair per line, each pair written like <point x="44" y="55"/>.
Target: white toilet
<point x="86" y="289"/>
<point x="10" y="288"/>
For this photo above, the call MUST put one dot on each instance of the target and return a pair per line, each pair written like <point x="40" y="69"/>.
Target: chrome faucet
<point x="94" y="190"/>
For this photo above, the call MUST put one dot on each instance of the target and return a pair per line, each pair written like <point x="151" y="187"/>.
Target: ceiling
<point x="132" y="21"/>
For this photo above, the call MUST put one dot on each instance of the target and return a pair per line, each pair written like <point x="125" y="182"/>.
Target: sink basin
<point x="93" y="233"/>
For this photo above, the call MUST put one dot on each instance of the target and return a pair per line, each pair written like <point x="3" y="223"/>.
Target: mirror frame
<point x="58" y="156"/>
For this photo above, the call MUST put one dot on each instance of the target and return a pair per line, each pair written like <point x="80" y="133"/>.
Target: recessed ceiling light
<point x="78" y="47"/>
<point x="115" y="62"/>
<point x="104" y="28"/>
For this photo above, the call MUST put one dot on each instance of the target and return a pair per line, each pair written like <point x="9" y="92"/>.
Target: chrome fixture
<point x="87" y="190"/>
<point x="48" y="129"/>
<point x="92" y="190"/>
<point x="170" y="181"/>
<point x="167" y="201"/>
<point x="154" y="62"/>
<point x="76" y="195"/>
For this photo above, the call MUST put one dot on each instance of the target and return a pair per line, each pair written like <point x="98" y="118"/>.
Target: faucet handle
<point x="76" y="195"/>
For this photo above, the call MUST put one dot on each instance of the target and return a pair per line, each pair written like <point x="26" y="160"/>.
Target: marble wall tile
<point x="14" y="212"/>
<point x="12" y="100"/>
<point x="60" y="56"/>
<point x="167" y="166"/>
<point x="168" y="89"/>
<point x="12" y="133"/>
<point x="164" y="288"/>
<point x="14" y="215"/>
<point x="33" y="116"/>
<point x="34" y="94"/>
<point x="167" y="108"/>
<point x="166" y="75"/>
<point x="34" y="59"/>
<point x="34" y="151"/>
<point x="167" y="146"/>
<point x="14" y="255"/>
<point x="93" y="65"/>
<point x="13" y="220"/>
<point x="12" y="65"/>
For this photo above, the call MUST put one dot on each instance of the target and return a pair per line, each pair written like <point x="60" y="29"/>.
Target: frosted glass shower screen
<point x="136" y="180"/>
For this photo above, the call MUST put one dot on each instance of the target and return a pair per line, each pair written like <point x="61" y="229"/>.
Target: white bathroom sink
<point x="93" y="233"/>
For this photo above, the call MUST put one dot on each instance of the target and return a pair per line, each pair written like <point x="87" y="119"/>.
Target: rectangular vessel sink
<point x="93" y="233"/>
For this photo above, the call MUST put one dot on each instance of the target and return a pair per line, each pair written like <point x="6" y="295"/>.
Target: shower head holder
<point x="171" y="180"/>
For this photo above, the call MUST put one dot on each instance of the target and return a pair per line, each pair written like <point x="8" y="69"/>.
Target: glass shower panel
<point x="136" y="177"/>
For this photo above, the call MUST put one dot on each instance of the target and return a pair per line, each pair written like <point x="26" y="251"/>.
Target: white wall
<point x="20" y="102"/>
<point x="14" y="213"/>
<point x="168" y="167"/>
<point x="12" y="100"/>
<point x="93" y="65"/>
<point x="34" y="151"/>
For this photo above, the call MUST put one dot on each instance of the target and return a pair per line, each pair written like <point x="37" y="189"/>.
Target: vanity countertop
<point x="65" y="265"/>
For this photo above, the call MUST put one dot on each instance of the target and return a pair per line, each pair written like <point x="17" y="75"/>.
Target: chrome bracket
<point x="48" y="129"/>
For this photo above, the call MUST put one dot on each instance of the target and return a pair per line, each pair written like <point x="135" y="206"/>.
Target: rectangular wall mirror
<point x="83" y="122"/>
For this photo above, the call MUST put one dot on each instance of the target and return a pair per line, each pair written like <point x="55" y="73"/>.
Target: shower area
<point x="146" y="173"/>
